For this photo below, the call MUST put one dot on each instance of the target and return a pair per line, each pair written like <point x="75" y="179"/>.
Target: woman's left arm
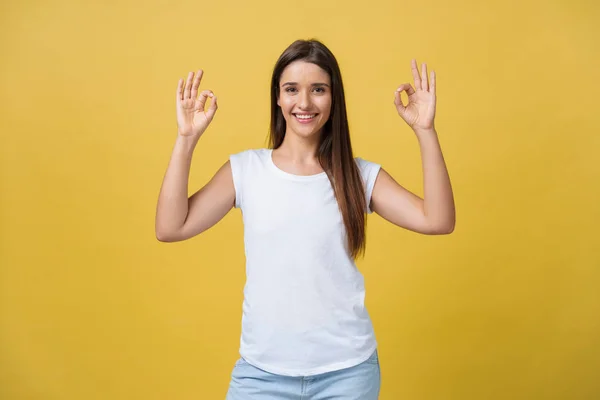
<point x="435" y="214"/>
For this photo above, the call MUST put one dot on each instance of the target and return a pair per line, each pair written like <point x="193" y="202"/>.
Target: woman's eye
<point x="317" y="89"/>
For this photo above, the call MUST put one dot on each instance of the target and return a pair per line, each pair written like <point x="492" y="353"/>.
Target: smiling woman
<point x="306" y="99"/>
<point x="305" y="327"/>
<point x="307" y="81"/>
<point x="309" y="96"/>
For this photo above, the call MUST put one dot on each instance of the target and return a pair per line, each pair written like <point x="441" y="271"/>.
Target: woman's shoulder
<point x="249" y="158"/>
<point x="251" y="153"/>
<point x="364" y="164"/>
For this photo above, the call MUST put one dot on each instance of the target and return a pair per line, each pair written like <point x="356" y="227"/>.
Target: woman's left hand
<point x="420" y="110"/>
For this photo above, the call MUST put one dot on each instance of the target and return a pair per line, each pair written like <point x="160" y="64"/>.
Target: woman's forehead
<point x="300" y="70"/>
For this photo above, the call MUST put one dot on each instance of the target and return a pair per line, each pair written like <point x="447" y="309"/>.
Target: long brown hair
<point x="335" y="150"/>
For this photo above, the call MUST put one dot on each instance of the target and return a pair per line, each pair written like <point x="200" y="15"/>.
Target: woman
<point x="305" y="329"/>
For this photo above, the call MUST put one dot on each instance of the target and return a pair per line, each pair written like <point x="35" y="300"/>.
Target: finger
<point x="188" y="86"/>
<point x="432" y="82"/>
<point x="196" y="84"/>
<point x="424" y="84"/>
<point x="205" y="94"/>
<point x="398" y="99"/>
<point x="180" y="90"/>
<point x="406" y="87"/>
<point x="213" y="108"/>
<point x="415" y="73"/>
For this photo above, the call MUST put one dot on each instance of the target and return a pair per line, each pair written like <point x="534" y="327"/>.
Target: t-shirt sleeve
<point x="237" y="172"/>
<point x="368" y="172"/>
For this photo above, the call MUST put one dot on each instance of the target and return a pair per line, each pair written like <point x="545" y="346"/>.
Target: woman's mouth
<point x="305" y="118"/>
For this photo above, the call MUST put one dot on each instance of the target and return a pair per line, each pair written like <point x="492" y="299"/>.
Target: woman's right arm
<point x="177" y="217"/>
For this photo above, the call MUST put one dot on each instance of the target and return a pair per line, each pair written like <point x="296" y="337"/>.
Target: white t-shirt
<point x="303" y="309"/>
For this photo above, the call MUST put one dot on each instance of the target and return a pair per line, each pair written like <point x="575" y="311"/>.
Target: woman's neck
<point x="298" y="149"/>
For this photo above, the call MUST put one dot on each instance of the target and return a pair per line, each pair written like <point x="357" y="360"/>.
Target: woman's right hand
<point x="192" y="120"/>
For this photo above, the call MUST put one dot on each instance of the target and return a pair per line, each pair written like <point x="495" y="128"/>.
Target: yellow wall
<point x="92" y="306"/>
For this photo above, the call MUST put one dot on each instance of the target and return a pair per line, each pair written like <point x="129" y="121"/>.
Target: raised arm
<point x="435" y="213"/>
<point x="177" y="217"/>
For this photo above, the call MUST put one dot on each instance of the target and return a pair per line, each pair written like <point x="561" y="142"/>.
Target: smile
<point x="305" y="118"/>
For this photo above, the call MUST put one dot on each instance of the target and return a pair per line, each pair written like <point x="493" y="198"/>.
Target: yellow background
<point x="92" y="306"/>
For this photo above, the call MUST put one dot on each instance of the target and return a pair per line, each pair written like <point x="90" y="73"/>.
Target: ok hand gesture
<point x="192" y="120"/>
<point x="420" y="110"/>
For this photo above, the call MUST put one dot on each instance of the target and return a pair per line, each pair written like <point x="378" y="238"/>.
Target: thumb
<point x="405" y="87"/>
<point x="398" y="101"/>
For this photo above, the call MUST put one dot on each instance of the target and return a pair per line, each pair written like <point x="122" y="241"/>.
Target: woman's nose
<point x="304" y="100"/>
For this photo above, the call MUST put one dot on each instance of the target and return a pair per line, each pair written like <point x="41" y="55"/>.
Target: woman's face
<point x="304" y="98"/>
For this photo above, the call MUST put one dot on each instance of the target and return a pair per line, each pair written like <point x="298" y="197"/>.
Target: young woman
<point x="305" y="330"/>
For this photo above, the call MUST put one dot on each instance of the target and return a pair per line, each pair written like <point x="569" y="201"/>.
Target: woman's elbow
<point x="441" y="229"/>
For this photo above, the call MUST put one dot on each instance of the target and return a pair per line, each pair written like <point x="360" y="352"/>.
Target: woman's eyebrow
<point x="314" y="84"/>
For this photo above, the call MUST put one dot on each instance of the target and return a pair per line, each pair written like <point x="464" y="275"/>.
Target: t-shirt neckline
<point x="288" y="175"/>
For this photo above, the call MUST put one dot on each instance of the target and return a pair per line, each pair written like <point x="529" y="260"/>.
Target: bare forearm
<point x="438" y="196"/>
<point x="172" y="207"/>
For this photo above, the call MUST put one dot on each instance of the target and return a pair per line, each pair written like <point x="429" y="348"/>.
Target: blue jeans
<point x="361" y="382"/>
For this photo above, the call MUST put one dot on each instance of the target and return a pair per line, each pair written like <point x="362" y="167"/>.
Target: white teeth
<point x="305" y="116"/>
